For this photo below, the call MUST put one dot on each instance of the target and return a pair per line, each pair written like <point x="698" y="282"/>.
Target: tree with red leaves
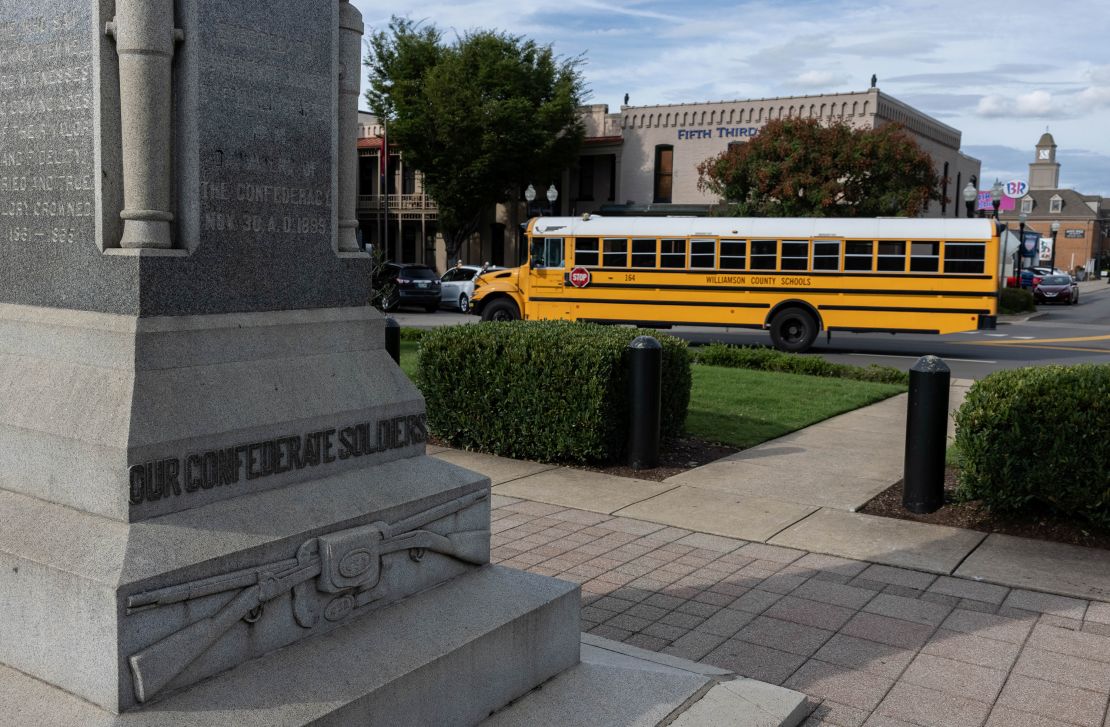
<point x="803" y="168"/>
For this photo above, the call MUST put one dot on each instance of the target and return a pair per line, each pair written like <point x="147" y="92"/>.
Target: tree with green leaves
<point x="803" y="168"/>
<point x="478" y="117"/>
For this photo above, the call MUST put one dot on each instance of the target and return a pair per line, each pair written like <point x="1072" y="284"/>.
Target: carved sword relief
<point x="331" y="576"/>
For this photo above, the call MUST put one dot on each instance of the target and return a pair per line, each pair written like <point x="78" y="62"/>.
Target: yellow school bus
<point x="793" y="277"/>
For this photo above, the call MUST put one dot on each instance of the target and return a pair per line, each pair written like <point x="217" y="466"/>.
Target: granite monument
<point x="215" y="497"/>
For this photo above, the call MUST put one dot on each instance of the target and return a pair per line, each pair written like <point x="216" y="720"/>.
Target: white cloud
<point x="1035" y="104"/>
<point x="817" y="79"/>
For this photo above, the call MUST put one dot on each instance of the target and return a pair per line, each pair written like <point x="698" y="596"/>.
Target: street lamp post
<point x="1052" y="257"/>
<point x="996" y="197"/>
<point x="529" y="198"/>
<point x="1021" y="237"/>
<point x="552" y="195"/>
<point x="971" y="194"/>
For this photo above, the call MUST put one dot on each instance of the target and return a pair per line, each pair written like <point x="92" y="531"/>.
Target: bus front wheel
<point x="793" y="330"/>
<point x="501" y="310"/>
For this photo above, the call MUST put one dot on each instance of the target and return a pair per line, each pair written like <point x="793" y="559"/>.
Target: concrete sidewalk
<point x="802" y="491"/>
<point x="758" y="564"/>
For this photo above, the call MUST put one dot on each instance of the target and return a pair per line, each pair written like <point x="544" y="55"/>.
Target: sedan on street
<point x="457" y="285"/>
<point x="1056" y="289"/>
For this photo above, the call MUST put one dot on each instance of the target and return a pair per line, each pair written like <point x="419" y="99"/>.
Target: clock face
<point x="1042" y="153"/>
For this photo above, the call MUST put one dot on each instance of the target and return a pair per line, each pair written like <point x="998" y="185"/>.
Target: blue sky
<point x="1000" y="72"/>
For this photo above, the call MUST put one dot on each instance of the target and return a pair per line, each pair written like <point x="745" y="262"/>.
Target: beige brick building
<point x="1083" y="219"/>
<point x="641" y="160"/>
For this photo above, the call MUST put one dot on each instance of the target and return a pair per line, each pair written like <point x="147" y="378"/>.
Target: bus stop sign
<point x="580" y="277"/>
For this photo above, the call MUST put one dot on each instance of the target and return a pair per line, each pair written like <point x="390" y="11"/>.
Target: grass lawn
<point x="742" y="408"/>
<point x="408" y="358"/>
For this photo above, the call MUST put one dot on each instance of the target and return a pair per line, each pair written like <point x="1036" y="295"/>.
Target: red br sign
<point x="580" y="277"/>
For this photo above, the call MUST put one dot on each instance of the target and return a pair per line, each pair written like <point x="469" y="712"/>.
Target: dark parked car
<point x="1056" y="289"/>
<point x="408" y="284"/>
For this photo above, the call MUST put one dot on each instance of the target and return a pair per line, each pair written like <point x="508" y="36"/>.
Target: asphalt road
<point x="1056" y="334"/>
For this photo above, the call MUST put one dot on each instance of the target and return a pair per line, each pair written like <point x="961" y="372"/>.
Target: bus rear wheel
<point x="793" y="330"/>
<point x="501" y="310"/>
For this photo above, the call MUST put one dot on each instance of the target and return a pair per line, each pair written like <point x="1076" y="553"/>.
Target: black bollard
<point x="926" y="435"/>
<point x="393" y="339"/>
<point x="645" y="374"/>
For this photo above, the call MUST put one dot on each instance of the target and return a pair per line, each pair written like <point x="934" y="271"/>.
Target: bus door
<point x="545" y="278"/>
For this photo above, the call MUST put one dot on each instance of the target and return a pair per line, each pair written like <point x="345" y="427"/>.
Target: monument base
<point x="448" y="656"/>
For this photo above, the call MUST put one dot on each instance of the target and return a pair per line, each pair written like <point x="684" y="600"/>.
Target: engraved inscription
<point x="269" y="180"/>
<point x="221" y="467"/>
<point x="46" y="102"/>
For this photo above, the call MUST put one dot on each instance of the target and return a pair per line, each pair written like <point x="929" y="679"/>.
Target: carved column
<point x="350" y="64"/>
<point x="145" y="36"/>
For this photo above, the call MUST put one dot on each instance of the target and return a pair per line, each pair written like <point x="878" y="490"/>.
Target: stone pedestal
<point x="216" y="502"/>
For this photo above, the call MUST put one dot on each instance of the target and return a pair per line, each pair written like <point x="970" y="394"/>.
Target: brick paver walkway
<point x="869" y="644"/>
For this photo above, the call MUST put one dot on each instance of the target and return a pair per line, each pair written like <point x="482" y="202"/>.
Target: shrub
<point x="413" y="334"/>
<point x="1037" y="437"/>
<point x="1016" y="300"/>
<point x="769" y="359"/>
<point x="544" y="390"/>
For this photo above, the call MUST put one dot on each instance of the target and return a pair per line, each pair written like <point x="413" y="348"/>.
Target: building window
<point x="408" y="180"/>
<point x="944" y="192"/>
<point x="586" y="178"/>
<point x="664" y="172"/>
<point x="612" y="177"/>
<point x="1055" y="205"/>
<point x="959" y="190"/>
<point x="1027" y="205"/>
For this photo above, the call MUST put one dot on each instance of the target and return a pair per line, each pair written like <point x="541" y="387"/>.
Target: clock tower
<point x="1044" y="172"/>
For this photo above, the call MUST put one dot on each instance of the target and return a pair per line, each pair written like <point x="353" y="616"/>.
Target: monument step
<point x="621" y="685"/>
<point x="448" y="656"/>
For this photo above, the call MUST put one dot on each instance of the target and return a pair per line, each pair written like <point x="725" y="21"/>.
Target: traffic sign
<point x="1015" y="188"/>
<point x="580" y="277"/>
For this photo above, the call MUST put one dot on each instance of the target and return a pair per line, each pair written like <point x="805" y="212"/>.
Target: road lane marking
<point x="1033" y="341"/>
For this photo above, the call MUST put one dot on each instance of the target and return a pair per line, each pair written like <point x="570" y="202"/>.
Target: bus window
<point x="585" y="251"/>
<point x="795" y="255"/>
<point x="964" y="257"/>
<point x="547" y="252"/>
<point x="672" y="253"/>
<point x="764" y="254"/>
<point x="924" y="257"/>
<point x="733" y="253"/>
<point x="643" y="253"/>
<point x="615" y="253"/>
<point x="892" y="256"/>
<point x="826" y="255"/>
<point x="857" y="255"/>
<point x="703" y="253"/>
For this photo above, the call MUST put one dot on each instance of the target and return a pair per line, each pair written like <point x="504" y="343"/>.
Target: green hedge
<point x="544" y="390"/>
<point x="1016" y="300"/>
<point x="1038" y="437"/>
<point x="769" y="359"/>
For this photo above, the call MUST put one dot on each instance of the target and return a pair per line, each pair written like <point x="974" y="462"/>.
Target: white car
<point x="457" y="285"/>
